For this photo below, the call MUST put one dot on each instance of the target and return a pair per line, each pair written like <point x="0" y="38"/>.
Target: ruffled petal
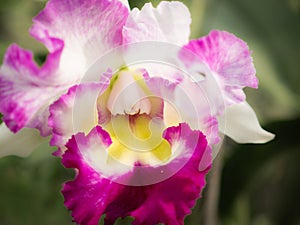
<point x="230" y="59"/>
<point x="241" y="124"/>
<point x="76" y="33"/>
<point x="25" y="93"/>
<point x="88" y="29"/>
<point x="20" y="144"/>
<point x="171" y="205"/>
<point x="96" y="189"/>
<point x="74" y="112"/>
<point x="169" y="22"/>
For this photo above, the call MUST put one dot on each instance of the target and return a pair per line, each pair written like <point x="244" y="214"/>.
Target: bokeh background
<point x="250" y="184"/>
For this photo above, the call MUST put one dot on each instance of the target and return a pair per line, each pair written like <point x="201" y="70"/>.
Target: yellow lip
<point x="138" y="139"/>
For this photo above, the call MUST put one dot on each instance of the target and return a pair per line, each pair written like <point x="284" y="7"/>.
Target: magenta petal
<point x="92" y="194"/>
<point x="25" y="92"/>
<point x="229" y="57"/>
<point x="171" y="200"/>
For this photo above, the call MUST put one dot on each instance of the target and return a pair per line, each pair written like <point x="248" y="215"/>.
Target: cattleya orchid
<point x="130" y="103"/>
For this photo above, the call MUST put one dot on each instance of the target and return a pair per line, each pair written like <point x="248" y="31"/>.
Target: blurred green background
<point x="250" y="184"/>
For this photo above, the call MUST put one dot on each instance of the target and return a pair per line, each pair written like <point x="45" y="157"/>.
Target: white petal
<point x="21" y="143"/>
<point x="127" y="96"/>
<point x="169" y="22"/>
<point x="241" y="124"/>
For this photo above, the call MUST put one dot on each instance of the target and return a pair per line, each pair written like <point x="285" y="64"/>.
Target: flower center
<point x="136" y="124"/>
<point x="127" y="95"/>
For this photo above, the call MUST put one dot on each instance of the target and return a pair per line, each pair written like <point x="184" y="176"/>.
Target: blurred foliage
<point x="264" y="178"/>
<point x="260" y="183"/>
<point x="30" y="190"/>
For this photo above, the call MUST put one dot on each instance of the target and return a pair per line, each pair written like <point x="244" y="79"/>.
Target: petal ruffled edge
<point x="26" y="91"/>
<point x="168" y="22"/>
<point x="100" y="195"/>
<point x="230" y="59"/>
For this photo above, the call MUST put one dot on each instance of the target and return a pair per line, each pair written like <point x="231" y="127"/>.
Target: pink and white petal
<point x="200" y="103"/>
<point x="99" y="194"/>
<point x="88" y="28"/>
<point x="91" y="193"/>
<point x="125" y="2"/>
<point x="189" y="102"/>
<point x="169" y="22"/>
<point x="228" y="57"/>
<point x="241" y="124"/>
<point x="75" y="33"/>
<point x="20" y="144"/>
<point x="73" y="112"/>
<point x="25" y="93"/>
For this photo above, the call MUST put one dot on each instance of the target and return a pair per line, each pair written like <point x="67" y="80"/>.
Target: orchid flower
<point x="140" y="135"/>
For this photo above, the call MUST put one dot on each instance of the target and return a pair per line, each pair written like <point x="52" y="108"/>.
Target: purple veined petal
<point x="241" y="124"/>
<point x="75" y="111"/>
<point x="93" y="194"/>
<point x="88" y="29"/>
<point x="25" y="93"/>
<point x="229" y="58"/>
<point x="169" y="22"/>
<point x="20" y="144"/>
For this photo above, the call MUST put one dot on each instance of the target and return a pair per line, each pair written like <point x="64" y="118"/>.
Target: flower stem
<point x="210" y="215"/>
